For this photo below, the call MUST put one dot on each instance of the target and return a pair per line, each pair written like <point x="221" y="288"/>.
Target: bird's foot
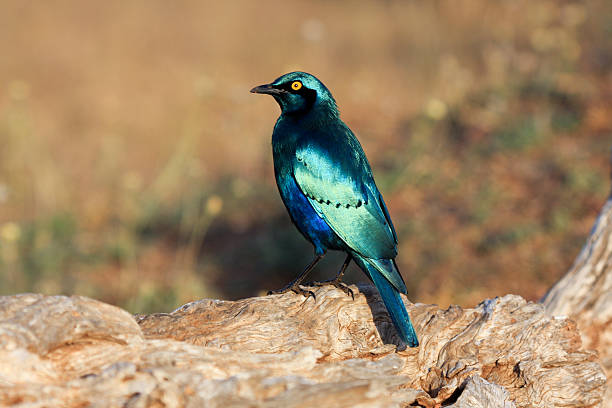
<point x="295" y="288"/>
<point x="337" y="283"/>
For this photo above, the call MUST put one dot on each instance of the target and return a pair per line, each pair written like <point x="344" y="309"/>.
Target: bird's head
<point x="299" y="93"/>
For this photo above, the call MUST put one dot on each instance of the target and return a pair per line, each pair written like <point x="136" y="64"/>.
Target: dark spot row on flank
<point x="338" y="205"/>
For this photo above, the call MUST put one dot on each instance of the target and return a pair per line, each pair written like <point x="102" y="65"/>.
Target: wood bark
<point x="585" y="293"/>
<point x="288" y="351"/>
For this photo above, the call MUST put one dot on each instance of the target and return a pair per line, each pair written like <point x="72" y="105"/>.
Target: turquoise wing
<point x="351" y="205"/>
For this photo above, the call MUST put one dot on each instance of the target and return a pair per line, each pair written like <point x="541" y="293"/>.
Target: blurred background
<point x="136" y="168"/>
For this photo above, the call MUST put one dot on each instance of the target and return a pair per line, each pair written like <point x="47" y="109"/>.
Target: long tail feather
<point x="392" y="300"/>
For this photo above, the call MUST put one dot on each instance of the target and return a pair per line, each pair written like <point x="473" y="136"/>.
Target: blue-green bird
<point x="327" y="185"/>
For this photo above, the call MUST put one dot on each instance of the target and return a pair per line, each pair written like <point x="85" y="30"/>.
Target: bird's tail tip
<point x="410" y="338"/>
<point x="390" y="296"/>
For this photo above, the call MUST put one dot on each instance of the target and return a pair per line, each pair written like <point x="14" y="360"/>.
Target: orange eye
<point x="296" y="86"/>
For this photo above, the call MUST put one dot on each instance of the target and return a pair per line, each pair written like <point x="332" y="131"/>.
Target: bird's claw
<point x="337" y="283"/>
<point x="295" y="289"/>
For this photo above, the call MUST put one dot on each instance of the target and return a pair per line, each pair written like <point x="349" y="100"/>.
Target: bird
<point x="327" y="185"/>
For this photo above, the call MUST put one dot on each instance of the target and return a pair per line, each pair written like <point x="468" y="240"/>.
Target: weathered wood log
<point x="585" y="292"/>
<point x="287" y="351"/>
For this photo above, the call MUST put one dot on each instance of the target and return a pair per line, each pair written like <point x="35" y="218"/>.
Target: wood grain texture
<point x="585" y="293"/>
<point x="287" y="351"/>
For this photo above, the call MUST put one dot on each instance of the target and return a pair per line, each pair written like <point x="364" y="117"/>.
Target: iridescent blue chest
<point x="305" y="218"/>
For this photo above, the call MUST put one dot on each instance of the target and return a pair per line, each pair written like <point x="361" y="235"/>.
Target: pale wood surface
<point x="585" y="293"/>
<point x="287" y="351"/>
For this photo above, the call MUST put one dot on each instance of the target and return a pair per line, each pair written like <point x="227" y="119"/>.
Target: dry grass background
<point x="135" y="167"/>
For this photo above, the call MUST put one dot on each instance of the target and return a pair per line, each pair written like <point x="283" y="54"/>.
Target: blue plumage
<point x="326" y="183"/>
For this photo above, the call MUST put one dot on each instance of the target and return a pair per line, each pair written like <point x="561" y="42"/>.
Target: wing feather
<point x="351" y="206"/>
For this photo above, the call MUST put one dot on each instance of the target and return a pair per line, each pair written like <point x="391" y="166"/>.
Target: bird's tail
<point x="377" y="269"/>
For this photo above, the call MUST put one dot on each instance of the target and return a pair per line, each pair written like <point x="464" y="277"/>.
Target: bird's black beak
<point x="268" y="89"/>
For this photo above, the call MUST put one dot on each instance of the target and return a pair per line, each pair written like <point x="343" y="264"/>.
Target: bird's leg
<point x="295" y="284"/>
<point x="337" y="281"/>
